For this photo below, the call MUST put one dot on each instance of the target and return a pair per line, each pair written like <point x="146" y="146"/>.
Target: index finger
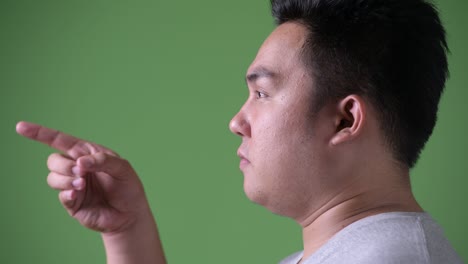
<point x="51" y="137"/>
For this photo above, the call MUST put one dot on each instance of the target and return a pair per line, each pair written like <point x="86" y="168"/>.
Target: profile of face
<point x="285" y="147"/>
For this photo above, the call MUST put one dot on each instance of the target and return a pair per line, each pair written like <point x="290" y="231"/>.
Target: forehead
<point x="281" y="50"/>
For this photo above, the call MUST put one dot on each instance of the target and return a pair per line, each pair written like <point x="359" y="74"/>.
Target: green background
<point x="158" y="82"/>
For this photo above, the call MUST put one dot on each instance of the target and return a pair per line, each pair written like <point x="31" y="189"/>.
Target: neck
<point x="353" y="204"/>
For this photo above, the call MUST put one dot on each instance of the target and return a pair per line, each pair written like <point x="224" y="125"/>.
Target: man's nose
<point x="239" y="124"/>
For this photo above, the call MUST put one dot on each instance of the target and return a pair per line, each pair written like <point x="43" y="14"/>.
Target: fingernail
<point x="75" y="170"/>
<point x="78" y="183"/>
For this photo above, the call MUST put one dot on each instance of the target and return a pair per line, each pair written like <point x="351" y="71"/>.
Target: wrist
<point x="138" y="242"/>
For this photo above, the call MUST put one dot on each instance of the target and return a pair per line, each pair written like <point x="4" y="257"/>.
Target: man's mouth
<point x="243" y="160"/>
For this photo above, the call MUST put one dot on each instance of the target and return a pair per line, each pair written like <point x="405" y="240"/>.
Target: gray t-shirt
<point x="387" y="238"/>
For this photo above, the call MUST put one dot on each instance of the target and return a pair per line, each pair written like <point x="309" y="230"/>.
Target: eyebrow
<point x="258" y="73"/>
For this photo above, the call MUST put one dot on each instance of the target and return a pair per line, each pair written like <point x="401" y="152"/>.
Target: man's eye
<point x="260" y="94"/>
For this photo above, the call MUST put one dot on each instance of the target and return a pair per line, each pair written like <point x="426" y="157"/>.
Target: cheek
<point x="287" y="160"/>
<point x="285" y="169"/>
<point x="282" y="142"/>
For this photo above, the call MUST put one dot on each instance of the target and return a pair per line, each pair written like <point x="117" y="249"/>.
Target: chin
<point x="255" y="194"/>
<point x="264" y="198"/>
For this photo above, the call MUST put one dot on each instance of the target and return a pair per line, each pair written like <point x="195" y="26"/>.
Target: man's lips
<point x="243" y="160"/>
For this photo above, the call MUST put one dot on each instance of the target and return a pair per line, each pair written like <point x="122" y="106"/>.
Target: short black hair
<point x="392" y="52"/>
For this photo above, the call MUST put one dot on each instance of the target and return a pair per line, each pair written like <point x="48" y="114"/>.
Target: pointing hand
<point x="97" y="187"/>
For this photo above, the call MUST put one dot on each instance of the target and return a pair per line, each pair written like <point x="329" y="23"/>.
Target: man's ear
<point x="349" y="119"/>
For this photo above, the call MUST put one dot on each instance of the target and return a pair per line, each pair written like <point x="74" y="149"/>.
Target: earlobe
<point x="350" y="117"/>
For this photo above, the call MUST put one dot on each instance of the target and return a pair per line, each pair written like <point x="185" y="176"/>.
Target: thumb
<point x="116" y="167"/>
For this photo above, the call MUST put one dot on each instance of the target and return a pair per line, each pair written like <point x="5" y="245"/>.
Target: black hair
<point x="392" y="52"/>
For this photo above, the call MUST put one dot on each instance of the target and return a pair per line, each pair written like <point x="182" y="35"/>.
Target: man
<point x="343" y="96"/>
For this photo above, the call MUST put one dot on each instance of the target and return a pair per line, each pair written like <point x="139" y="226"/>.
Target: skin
<point x="304" y="165"/>
<point x="281" y="145"/>
<point x="325" y="170"/>
<point x="103" y="193"/>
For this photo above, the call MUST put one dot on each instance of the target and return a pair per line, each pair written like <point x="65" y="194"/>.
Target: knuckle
<point x="79" y="149"/>
<point x="125" y="165"/>
<point x="100" y="157"/>
<point x="51" y="159"/>
<point x="90" y="148"/>
<point x="58" y="182"/>
<point x="50" y="179"/>
<point x="121" y="167"/>
<point x="62" y="198"/>
<point x="111" y="153"/>
<point x="125" y="162"/>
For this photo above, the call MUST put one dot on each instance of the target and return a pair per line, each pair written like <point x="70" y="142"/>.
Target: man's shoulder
<point x="396" y="237"/>
<point x="292" y="259"/>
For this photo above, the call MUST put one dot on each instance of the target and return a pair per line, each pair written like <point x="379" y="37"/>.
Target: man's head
<point x="337" y="88"/>
<point x="393" y="52"/>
